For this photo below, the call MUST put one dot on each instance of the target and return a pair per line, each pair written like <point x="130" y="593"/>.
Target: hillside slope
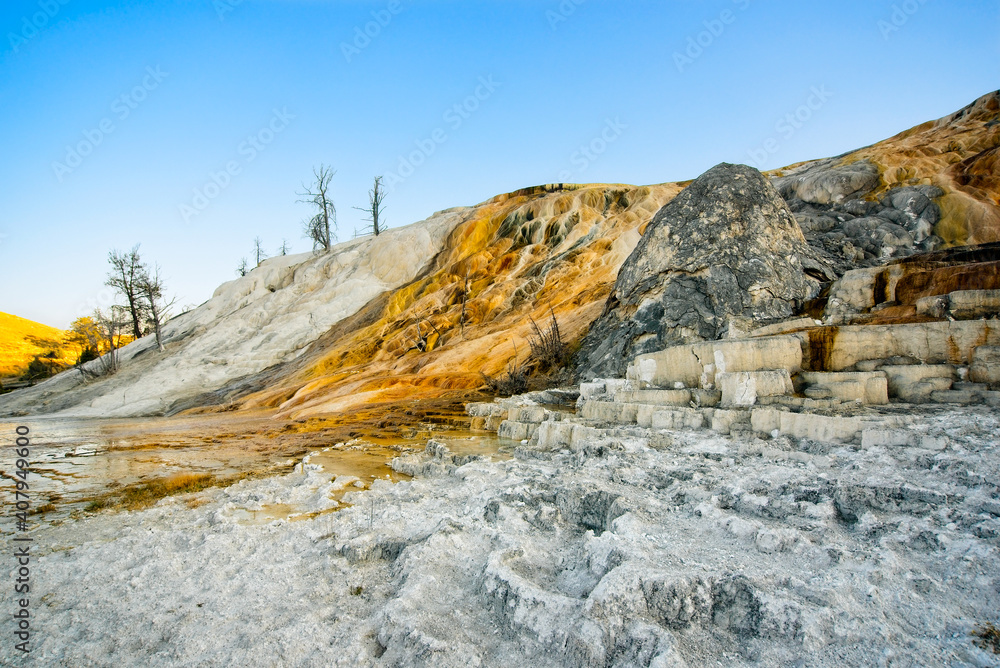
<point x="21" y="340"/>
<point x="381" y="319"/>
<point x="268" y="317"/>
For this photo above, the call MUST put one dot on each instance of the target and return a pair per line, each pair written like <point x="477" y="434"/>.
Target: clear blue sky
<point x="534" y="81"/>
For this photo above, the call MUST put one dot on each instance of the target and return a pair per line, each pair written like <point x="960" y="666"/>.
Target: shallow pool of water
<point x="74" y="461"/>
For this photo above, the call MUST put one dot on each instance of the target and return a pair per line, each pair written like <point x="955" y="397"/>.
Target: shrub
<point x="547" y="346"/>
<point x="43" y="366"/>
<point x="513" y="381"/>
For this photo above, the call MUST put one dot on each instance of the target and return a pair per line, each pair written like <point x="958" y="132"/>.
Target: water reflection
<point x="75" y="460"/>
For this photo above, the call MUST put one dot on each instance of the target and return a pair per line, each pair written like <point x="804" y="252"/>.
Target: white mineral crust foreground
<point x="704" y="550"/>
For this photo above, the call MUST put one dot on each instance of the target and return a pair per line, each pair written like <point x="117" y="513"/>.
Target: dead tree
<point x="242" y="269"/>
<point x="422" y="341"/>
<point x="284" y="247"/>
<point x="151" y="289"/>
<point x="465" y="298"/>
<point x="322" y="227"/>
<point x="375" y="207"/>
<point x="259" y="253"/>
<point x="126" y="269"/>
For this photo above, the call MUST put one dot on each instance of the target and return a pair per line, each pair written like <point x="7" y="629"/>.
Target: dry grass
<point x="547" y="346"/>
<point x="988" y="637"/>
<point x="513" y="381"/>
<point x="135" y="497"/>
<point x="21" y="340"/>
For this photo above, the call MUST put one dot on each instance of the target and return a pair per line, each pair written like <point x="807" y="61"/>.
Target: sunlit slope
<point x="381" y="319"/>
<point x="532" y="253"/>
<point x="21" y="340"/>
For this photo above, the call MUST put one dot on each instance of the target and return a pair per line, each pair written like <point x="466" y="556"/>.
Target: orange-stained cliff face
<point x="290" y="336"/>
<point x="958" y="153"/>
<point x="519" y="255"/>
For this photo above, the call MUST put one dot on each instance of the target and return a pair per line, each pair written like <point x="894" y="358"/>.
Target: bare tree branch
<point x="322" y="227"/>
<point x="465" y="298"/>
<point x="125" y="271"/>
<point x="151" y="289"/>
<point x="258" y="251"/>
<point x="105" y="336"/>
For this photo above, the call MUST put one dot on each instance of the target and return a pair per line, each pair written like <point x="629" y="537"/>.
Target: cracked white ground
<point x="700" y="551"/>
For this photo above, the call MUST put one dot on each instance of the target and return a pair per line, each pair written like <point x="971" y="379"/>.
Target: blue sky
<point x="189" y="125"/>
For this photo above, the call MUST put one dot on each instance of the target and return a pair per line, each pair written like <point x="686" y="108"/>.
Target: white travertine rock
<point x="697" y="364"/>
<point x="533" y="414"/>
<point x="887" y="437"/>
<point x="868" y="387"/>
<point x="609" y="411"/>
<point x="967" y="304"/>
<point x="929" y="342"/>
<point x="741" y="388"/>
<point x="678" y="418"/>
<point x="784" y="327"/>
<point x="984" y="366"/>
<point x="516" y="431"/>
<point x="808" y="425"/>
<point x="914" y="383"/>
<point x="854" y="292"/>
<point x="555" y="435"/>
<point x="723" y="420"/>
<point x="655" y="397"/>
<point x="592" y="389"/>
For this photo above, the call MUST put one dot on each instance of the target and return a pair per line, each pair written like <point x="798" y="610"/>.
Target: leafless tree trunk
<point x="242" y="268"/>
<point x="151" y="288"/>
<point x="465" y="298"/>
<point x="375" y="208"/>
<point x="123" y="277"/>
<point x="322" y="227"/>
<point x="258" y="250"/>
<point x="284" y="247"/>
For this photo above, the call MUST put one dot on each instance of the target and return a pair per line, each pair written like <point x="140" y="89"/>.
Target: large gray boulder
<point x="725" y="248"/>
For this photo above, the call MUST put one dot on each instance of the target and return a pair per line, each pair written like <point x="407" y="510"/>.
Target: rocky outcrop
<point x="932" y="185"/>
<point x="418" y="310"/>
<point x="834" y="206"/>
<point x="957" y="283"/>
<point x="727" y="247"/>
